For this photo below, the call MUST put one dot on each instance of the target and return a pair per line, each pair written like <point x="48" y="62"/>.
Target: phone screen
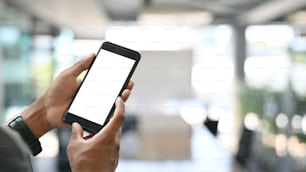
<point x="102" y="85"/>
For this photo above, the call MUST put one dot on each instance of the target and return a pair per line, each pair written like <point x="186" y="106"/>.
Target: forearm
<point x="35" y="118"/>
<point x="31" y="124"/>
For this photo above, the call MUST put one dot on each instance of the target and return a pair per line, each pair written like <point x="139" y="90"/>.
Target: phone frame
<point x="92" y="126"/>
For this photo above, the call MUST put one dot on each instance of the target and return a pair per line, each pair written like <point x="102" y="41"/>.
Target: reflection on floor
<point x="207" y="156"/>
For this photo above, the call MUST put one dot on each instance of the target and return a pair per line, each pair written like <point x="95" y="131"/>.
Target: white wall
<point x="161" y="76"/>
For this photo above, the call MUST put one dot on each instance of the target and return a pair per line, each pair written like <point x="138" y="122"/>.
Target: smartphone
<point x="108" y="75"/>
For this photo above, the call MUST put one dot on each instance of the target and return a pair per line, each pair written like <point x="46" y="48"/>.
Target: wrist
<point x="36" y="119"/>
<point x="26" y="134"/>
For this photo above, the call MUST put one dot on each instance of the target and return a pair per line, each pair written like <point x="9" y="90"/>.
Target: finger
<point x="79" y="81"/>
<point x="130" y="85"/>
<point x="125" y="95"/>
<point x="81" y="65"/>
<point x="118" y="135"/>
<point x="65" y="125"/>
<point x="77" y="131"/>
<point x="127" y="92"/>
<point x="116" y="150"/>
<point x="116" y="121"/>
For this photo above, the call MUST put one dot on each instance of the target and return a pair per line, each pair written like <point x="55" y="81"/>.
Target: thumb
<point x="77" y="131"/>
<point x="116" y="121"/>
<point x="81" y="65"/>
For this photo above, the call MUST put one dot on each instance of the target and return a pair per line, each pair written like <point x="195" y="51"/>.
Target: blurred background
<point x="221" y="86"/>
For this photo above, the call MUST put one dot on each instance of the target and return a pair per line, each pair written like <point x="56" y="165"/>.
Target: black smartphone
<point x="108" y="75"/>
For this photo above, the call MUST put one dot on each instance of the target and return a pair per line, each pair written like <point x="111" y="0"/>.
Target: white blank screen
<point x="101" y="86"/>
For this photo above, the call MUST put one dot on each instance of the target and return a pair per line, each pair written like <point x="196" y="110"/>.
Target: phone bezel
<point x="92" y="126"/>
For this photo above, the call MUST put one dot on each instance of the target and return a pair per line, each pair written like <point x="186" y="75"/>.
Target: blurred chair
<point x="212" y="126"/>
<point x="164" y="137"/>
<point x="245" y="146"/>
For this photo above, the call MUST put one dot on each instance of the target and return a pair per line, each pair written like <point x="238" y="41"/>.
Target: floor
<point x="207" y="156"/>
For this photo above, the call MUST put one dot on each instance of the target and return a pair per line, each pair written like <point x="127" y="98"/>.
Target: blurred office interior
<point x="221" y="86"/>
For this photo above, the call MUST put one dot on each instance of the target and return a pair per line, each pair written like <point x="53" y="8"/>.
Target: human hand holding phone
<point x="46" y="112"/>
<point x="100" y="152"/>
<point x="108" y="76"/>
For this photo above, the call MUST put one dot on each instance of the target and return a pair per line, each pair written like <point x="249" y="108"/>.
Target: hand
<point x="99" y="152"/>
<point x="46" y="113"/>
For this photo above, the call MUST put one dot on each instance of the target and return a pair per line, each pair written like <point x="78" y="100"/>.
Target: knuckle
<point x="121" y="117"/>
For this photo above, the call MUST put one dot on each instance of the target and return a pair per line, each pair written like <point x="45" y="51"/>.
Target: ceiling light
<point x="177" y="18"/>
<point x="122" y="10"/>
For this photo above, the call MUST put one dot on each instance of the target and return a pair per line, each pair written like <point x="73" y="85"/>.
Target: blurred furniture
<point x="164" y="137"/>
<point x="158" y="137"/>
<point x="212" y="126"/>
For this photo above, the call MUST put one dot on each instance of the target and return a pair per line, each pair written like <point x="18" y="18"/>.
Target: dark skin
<point x="46" y="113"/>
<point x="99" y="152"/>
